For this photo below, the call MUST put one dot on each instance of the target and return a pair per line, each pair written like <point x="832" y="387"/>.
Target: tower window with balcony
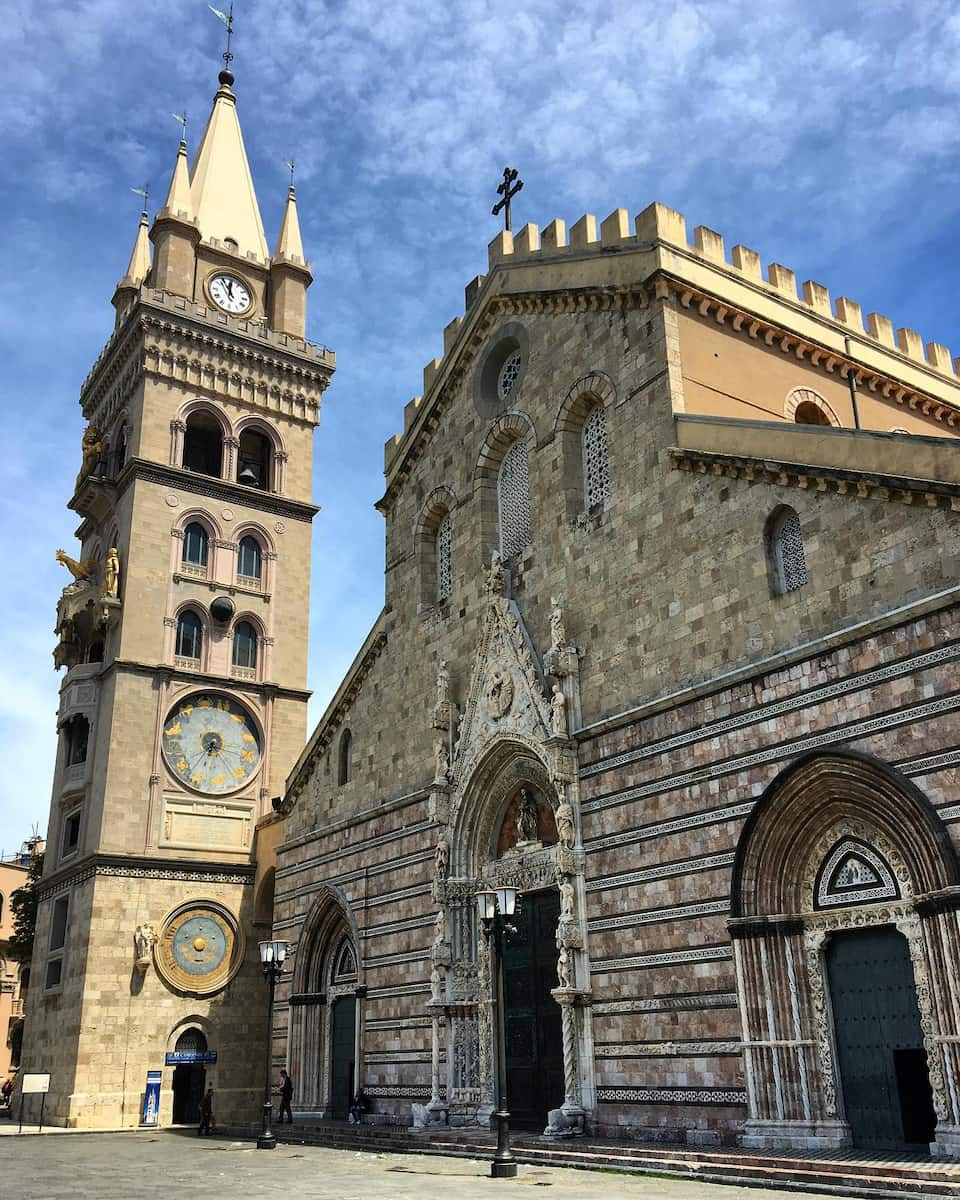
<point x="195" y="549"/>
<point x="203" y="445"/>
<point x="249" y="560"/>
<point x="245" y="649"/>
<point x="253" y="460"/>
<point x="189" y="636"/>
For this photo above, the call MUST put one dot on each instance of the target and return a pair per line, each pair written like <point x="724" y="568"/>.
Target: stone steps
<point x="849" y="1173"/>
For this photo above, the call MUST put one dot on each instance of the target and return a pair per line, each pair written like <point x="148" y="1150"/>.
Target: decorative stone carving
<point x="496" y="576"/>
<point x="564" y="968"/>
<point x="500" y="694"/>
<point x="144" y="940"/>
<point x="558" y="704"/>
<point x="567" y="900"/>
<point x="440" y="928"/>
<point x="443" y="709"/>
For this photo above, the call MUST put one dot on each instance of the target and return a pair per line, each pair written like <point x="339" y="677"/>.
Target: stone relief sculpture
<point x="443" y="683"/>
<point x="528" y="819"/>
<point x="144" y="939"/>
<point x="440" y="928"/>
<point x="558" y="637"/>
<point x="441" y="764"/>
<point x="442" y="858"/>
<point x="496" y="577"/>
<point x="558" y="704"/>
<point x="111" y="575"/>
<point x="500" y="694"/>
<point x="92" y="448"/>
<point x="567" y="899"/>
<point x="564" y="968"/>
<point x="565" y="828"/>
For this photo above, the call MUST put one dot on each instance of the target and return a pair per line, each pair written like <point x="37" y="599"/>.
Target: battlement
<point x="659" y="224"/>
<point x="659" y="235"/>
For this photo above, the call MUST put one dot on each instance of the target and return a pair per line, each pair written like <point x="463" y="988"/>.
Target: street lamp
<point x="272" y="955"/>
<point x="496" y="909"/>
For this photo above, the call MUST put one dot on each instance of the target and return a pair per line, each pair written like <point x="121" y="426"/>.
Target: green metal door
<point x="343" y="1039"/>
<point x="883" y="1067"/>
<point x="534" y="1041"/>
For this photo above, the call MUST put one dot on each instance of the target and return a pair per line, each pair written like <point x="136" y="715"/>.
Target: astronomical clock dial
<point x="230" y="293"/>
<point x="211" y="744"/>
<point x="199" y="949"/>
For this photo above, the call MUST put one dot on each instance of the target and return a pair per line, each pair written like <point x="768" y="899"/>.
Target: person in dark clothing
<point x="358" y="1106"/>
<point x="286" y="1095"/>
<point x="206" y="1113"/>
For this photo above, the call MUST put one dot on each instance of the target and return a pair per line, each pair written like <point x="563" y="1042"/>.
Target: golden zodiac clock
<point x="199" y="949"/>
<point x="211" y="743"/>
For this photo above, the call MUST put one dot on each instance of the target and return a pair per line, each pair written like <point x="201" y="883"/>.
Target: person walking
<point x="286" y="1095"/>
<point x="206" y="1113"/>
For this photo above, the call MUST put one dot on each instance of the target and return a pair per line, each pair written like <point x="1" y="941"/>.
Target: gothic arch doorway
<point x="189" y="1077"/>
<point x="846" y="947"/>
<point x="325" y="1010"/>
<point x="882" y="1064"/>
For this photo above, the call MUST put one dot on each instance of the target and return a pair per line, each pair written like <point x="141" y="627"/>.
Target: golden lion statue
<point x="92" y="448"/>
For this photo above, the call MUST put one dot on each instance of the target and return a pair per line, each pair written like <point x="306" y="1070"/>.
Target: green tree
<point x="23" y="907"/>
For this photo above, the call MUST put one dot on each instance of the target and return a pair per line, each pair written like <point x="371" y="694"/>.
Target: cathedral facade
<point x="669" y="644"/>
<point x="183" y="639"/>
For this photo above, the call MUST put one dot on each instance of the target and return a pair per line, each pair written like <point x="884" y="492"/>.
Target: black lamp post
<point x="272" y="955"/>
<point x="496" y="910"/>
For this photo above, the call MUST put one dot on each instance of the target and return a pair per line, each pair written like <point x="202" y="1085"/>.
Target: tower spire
<point x="289" y="242"/>
<point x="137" y="268"/>
<point x="178" y="202"/>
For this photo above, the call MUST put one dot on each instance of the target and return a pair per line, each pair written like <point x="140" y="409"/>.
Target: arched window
<point x="809" y="413"/>
<point x="345" y="759"/>
<point x="513" y="499"/>
<point x="203" y="445"/>
<point x="245" y="646"/>
<point x="189" y="635"/>
<point x="596" y="466"/>
<point x="344" y="963"/>
<point x="249" y="559"/>
<point x="195" y="543"/>
<point x="444" y="560"/>
<point x="786" y="560"/>
<point x="77" y="732"/>
<point x="253" y="460"/>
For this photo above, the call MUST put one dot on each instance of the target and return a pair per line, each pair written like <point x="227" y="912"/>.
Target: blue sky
<point x="824" y="135"/>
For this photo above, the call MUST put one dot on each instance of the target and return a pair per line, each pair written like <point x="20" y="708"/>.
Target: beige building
<point x="14" y="976"/>
<point x="669" y="643"/>
<point x="183" y="639"/>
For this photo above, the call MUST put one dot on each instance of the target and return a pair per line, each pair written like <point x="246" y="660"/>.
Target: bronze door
<point x="343" y="1045"/>
<point x="534" y="1032"/>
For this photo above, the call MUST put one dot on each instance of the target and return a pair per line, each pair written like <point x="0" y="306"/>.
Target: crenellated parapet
<point x="621" y="263"/>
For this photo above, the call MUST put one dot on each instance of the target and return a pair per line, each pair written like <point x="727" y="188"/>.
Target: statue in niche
<point x="111" y="575"/>
<point x="567" y="899"/>
<point x="528" y="818"/>
<point x="558" y="705"/>
<point x="442" y="858"/>
<point x="564" y="968"/>
<point x="92" y="449"/>
<point x="144" y="939"/>
<point x="565" y="828"/>
<point x="558" y="637"/>
<point x="440" y="759"/>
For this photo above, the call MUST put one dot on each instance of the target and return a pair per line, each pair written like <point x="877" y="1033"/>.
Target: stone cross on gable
<point x="507" y="190"/>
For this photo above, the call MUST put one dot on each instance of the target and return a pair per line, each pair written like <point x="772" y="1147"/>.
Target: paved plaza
<point x="143" y="1165"/>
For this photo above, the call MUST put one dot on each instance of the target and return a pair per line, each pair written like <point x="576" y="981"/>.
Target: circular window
<point x="500" y="371"/>
<point x="509" y="374"/>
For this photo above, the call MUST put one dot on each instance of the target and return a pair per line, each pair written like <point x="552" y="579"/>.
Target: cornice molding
<point x="864" y="485"/>
<point x="127" y="867"/>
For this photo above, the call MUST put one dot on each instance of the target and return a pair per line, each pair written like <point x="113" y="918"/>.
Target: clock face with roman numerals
<point x="230" y="293"/>
<point x="211" y="743"/>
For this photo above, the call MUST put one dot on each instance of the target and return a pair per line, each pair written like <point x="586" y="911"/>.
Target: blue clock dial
<point x="211" y="744"/>
<point x="199" y="945"/>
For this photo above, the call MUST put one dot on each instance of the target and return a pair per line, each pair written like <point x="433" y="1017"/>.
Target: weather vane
<point x="182" y="118"/>
<point x="144" y="192"/>
<point x="507" y="191"/>
<point x="289" y="164"/>
<point x="227" y="19"/>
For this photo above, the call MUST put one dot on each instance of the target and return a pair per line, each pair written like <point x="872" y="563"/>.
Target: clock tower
<point x="183" y="635"/>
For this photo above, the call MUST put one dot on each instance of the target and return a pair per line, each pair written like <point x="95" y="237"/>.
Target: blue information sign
<point x="177" y="1058"/>
<point x="151" y="1098"/>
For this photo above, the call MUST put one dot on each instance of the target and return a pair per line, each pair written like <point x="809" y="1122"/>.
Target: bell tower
<point x="183" y="636"/>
